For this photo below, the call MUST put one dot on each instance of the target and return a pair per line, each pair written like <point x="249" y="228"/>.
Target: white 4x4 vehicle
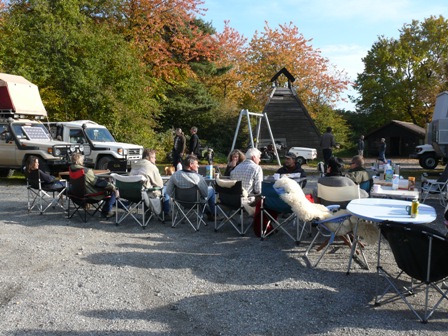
<point x="100" y="147"/>
<point x="304" y="154"/>
<point x="21" y="131"/>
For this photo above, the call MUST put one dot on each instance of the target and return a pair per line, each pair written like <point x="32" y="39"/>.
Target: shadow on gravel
<point x="273" y="312"/>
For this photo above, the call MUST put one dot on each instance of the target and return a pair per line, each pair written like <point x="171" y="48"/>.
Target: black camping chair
<point x="229" y="204"/>
<point x="421" y="254"/>
<point x="189" y="206"/>
<point x="81" y="200"/>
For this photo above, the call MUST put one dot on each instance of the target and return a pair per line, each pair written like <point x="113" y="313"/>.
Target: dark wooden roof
<point x="406" y="126"/>
<point x="290" y="120"/>
<point x="284" y="72"/>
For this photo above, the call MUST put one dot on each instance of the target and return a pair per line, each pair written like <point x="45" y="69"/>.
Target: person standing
<point x="178" y="146"/>
<point x="194" y="142"/>
<point x="361" y="146"/>
<point x="382" y="150"/>
<point x="327" y="142"/>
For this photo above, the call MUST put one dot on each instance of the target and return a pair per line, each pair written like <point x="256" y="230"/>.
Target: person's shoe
<point x="212" y="218"/>
<point x="108" y="215"/>
<point x="167" y="217"/>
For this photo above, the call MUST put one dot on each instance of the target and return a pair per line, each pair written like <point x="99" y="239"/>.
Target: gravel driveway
<point x="64" y="277"/>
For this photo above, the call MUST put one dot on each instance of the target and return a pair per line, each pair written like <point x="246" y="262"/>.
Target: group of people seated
<point x="240" y="166"/>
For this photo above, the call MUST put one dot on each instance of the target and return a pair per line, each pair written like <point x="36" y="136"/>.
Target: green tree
<point x="403" y="77"/>
<point x="83" y="69"/>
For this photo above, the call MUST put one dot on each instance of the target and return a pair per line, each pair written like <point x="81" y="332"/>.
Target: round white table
<point x="382" y="209"/>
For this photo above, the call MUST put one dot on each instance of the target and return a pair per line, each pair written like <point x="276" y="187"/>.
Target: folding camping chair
<point x="40" y="197"/>
<point x="330" y="229"/>
<point x="276" y="215"/>
<point x="188" y="205"/>
<point x="434" y="187"/>
<point x="421" y="255"/>
<point x="340" y="225"/>
<point x="229" y="204"/>
<point x="134" y="200"/>
<point x="84" y="203"/>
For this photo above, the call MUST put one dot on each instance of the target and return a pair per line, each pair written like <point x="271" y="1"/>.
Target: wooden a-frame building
<point x="289" y="119"/>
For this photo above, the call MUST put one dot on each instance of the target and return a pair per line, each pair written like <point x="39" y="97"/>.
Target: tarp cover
<point x="21" y="96"/>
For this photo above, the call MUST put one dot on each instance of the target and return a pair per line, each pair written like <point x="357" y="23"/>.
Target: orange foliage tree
<point x="168" y="36"/>
<point x="231" y="50"/>
<point x="316" y="82"/>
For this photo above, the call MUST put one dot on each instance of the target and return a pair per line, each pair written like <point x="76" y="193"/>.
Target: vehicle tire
<point x="5" y="172"/>
<point x="429" y="161"/>
<point x="301" y="160"/>
<point x="104" y="162"/>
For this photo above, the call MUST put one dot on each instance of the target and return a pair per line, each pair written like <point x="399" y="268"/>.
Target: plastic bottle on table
<point x="388" y="173"/>
<point x="395" y="181"/>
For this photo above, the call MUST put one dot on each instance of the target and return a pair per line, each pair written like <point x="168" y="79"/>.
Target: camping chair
<point x="328" y="195"/>
<point x="436" y="187"/>
<point x="421" y="255"/>
<point x="330" y="228"/>
<point x="276" y="215"/>
<point x="189" y="206"/>
<point x="339" y="226"/>
<point x="134" y="200"/>
<point x="40" y="197"/>
<point x="229" y="204"/>
<point x="84" y="203"/>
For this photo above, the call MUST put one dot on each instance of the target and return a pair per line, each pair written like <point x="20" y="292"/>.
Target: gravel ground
<point x="64" y="277"/>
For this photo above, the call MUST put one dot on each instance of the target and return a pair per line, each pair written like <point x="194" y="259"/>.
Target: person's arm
<point x="169" y="187"/>
<point x="157" y="179"/>
<point x="203" y="187"/>
<point x="45" y="178"/>
<point x="258" y="179"/>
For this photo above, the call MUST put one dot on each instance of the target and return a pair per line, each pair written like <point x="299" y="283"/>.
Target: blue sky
<point x="344" y="30"/>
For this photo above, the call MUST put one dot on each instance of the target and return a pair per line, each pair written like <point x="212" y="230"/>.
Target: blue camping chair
<point x="276" y="215"/>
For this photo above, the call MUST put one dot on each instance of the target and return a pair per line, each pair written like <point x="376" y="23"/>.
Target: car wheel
<point x="428" y="161"/>
<point x="301" y="160"/>
<point x="104" y="162"/>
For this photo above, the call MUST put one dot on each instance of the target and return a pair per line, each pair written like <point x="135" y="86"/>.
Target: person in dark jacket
<point x="194" y="142"/>
<point x="178" y="146"/>
<point x="291" y="166"/>
<point x="47" y="181"/>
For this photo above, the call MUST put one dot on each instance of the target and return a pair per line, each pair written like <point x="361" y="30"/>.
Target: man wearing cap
<point x="291" y="166"/>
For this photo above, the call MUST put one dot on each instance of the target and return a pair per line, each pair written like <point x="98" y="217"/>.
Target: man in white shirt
<point x="250" y="174"/>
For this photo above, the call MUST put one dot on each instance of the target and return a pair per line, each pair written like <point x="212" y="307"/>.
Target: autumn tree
<point x="403" y="76"/>
<point x="317" y="84"/>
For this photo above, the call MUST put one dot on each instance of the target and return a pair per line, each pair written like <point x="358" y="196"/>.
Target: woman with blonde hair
<point x="234" y="159"/>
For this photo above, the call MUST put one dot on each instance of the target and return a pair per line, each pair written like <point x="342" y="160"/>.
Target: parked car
<point x="304" y="154"/>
